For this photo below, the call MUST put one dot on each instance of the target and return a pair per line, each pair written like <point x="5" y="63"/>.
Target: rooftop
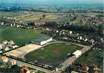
<point x="41" y="38"/>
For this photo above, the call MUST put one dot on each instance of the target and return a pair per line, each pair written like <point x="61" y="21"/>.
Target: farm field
<point x="27" y="16"/>
<point x="52" y="54"/>
<point x="20" y="36"/>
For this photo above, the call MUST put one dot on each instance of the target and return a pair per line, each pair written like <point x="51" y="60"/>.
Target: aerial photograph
<point x="51" y="36"/>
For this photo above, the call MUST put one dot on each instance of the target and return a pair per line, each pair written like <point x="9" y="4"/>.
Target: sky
<point x="52" y="1"/>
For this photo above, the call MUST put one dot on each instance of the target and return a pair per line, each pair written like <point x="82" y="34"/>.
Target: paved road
<point x="20" y="63"/>
<point x="72" y="59"/>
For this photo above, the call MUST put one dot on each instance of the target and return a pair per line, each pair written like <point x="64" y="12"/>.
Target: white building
<point x="4" y="59"/>
<point x="1" y="46"/>
<point x="11" y="42"/>
<point x="7" y="48"/>
<point x="5" y="42"/>
<point x="45" y="41"/>
<point x="13" y="62"/>
<point x="77" y="53"/>
<point x="15" y="46"/>
<point x="41" y="40"/>
<point x="70" y="32"/>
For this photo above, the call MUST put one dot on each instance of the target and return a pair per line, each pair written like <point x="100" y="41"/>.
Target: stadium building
<point x="41" y="40"/>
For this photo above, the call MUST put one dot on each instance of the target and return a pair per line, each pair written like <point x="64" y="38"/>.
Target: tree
<point x="43" y="16"/>
<point x="101" y="29"/>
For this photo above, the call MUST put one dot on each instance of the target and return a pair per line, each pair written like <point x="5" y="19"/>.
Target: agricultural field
<point x="33" y="16"/>
<point x="10" y="14"/>
<point x="72" y="18"/>
<point x="20" y="36"/>
<point x="52" y="54"/>
<point x="27" y="16"/>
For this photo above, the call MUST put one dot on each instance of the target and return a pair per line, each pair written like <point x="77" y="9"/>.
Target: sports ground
<point x="52" y="54"/>
<point x="22" y="51"/>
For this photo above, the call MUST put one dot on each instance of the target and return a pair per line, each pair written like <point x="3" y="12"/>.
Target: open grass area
<point x="20" y="36"/>
<point x="94" y="56"/>
<point x="52" y="54"/>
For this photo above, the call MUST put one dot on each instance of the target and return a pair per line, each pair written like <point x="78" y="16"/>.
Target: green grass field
<point x="20" y="36"/>
<point x="94" y="56"/>
<point x="52" y="54"/>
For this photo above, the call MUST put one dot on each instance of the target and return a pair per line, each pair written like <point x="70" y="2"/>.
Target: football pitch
<point x="52" y="54"/>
